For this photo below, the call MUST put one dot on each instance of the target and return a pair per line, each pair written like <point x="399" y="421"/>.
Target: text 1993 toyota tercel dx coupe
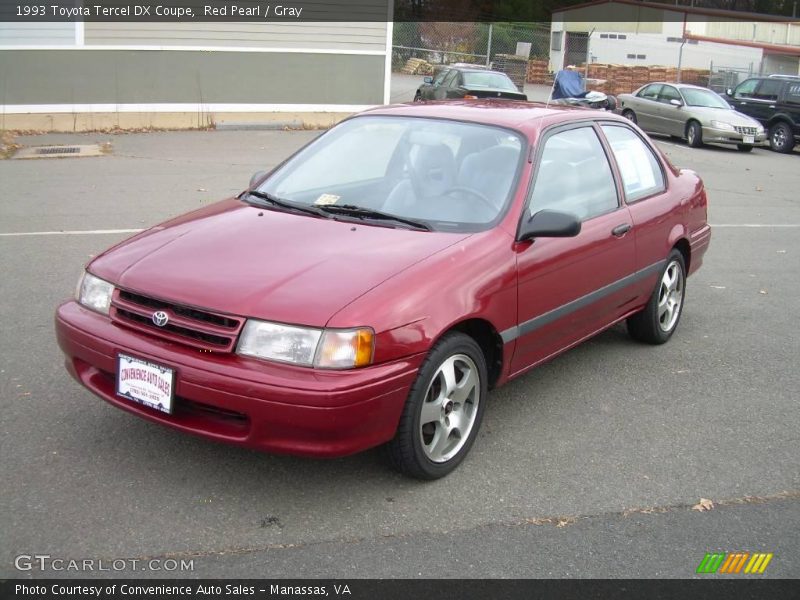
<point x="374" y="286"/>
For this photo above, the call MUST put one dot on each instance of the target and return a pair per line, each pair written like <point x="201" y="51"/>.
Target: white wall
<point x="658" y="51"/>
<point x="785" y="65"/>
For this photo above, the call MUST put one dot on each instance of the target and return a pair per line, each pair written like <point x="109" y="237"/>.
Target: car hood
<point x="239" y="259"/>
<point x="706" y="115"/>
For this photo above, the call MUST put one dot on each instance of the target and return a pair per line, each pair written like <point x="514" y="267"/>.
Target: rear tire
<point x="694" y="134"/>
<point x="781" y="137"/>
<point x="630" y="115"/>
<point x="444" y="409"/>
<point x="744" y="147"/>
<point x="656" y="323"/>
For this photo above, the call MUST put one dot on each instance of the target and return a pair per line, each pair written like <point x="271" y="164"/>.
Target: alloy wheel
<point x="779" y="137"/>
<point x="670" y="296"/>
<point x="449" y="408"/>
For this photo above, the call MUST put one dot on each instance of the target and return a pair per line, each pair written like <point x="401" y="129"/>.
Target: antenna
<point x="552" y="87"/>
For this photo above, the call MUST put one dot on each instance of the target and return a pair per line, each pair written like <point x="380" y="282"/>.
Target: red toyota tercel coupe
<point x="374" y="286"/>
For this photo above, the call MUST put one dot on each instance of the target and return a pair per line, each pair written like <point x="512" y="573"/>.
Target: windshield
<point x="707" y="98"/>
<point x="496" y="81"/>
<point x="452" y="176"/>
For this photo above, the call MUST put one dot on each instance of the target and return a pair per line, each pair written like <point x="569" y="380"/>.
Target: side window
<point x="440" y="77"/>
<point x="651" y="91"/>
<point x="574" y="176"/>
<point x="448" y="81"/>
<point x="768" y="90"/>
<point x="669" y="93"/>
<point x="746" y="89"/>
<point x="793" y="93"/>
<point x="639" y="167"/>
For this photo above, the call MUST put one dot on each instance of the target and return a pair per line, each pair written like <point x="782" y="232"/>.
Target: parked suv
<point x="775" y="103"/>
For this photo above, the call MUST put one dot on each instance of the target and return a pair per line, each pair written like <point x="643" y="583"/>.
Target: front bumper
<point x="723" y="136"/>
<point x="248" y="402"/>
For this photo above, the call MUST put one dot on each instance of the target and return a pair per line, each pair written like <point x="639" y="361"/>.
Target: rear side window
<point x="793" y="93"/>
<point x="574" y="176"/>
<point x="768" y="89"/>
<point x="639" y="167"/>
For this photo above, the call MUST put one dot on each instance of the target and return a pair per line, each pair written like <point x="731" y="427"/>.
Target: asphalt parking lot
<point x="586" y="467"/>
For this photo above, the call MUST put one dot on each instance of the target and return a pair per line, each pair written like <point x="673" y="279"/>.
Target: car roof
<point x="679" y="85"/>
<point x="527" y="117"/>
<point x="477" y="70"/>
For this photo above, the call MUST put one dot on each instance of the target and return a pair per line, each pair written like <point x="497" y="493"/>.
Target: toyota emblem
<point x="160" y="318"/>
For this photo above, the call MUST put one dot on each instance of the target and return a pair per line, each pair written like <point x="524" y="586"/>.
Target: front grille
<point x="185" y="311"/>
<point x="187" y="325"/>
<point x="746" y="130"/>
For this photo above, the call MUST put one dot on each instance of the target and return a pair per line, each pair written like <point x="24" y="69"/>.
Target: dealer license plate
<point x="749" y="139"/>
<point x="145" y="382"/>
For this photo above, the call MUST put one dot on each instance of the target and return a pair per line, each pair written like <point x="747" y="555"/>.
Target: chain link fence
<point x="443" y="43"/>
<point x="722" y="78"/>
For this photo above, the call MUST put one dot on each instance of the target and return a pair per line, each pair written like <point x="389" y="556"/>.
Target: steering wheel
<point x="475" y="194"/>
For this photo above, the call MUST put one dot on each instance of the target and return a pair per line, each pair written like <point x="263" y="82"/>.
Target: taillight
<point x="470" y="97"/>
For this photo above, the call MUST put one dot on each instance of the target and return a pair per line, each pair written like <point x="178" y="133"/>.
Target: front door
<point x="569" y="288"/>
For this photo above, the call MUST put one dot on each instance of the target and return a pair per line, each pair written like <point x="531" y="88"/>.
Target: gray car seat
<point x="432" y="172"/>
<point x="490" y="172"/>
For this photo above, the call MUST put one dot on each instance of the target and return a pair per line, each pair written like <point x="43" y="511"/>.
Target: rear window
<point x="488" y="80"/>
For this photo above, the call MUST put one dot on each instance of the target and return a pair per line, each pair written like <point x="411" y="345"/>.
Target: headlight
<point x="330" y="349"/>
<point x="94" y="293"/>
<point x="722" y="125"/>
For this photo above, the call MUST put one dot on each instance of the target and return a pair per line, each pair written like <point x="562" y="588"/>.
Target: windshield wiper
<point x="368" y="213"/>
<point x="275" y="201"/>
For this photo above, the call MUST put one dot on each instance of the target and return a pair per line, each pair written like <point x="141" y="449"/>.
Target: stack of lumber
<point x="417" y="66"/>
<point x="516" y="67"/>
<point x="538" y="71"/>
<point x="695" y="76"/>
<point x="624" y="79"/>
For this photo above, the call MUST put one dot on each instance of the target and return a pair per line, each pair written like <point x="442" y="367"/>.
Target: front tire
<point x="694" y="134"/>
<point x="781" y="138"/>
<point x="444" y="409"/>
<point x="656" y="323"/>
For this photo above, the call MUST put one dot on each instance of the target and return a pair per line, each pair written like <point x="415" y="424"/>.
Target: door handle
<point x="621" y="230"/>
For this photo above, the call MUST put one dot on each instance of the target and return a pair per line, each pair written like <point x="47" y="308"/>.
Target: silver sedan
<point x="690" y="112"/>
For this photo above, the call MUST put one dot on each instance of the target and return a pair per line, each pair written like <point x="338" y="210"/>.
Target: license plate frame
<point x="749" y="139"/>
<point x="151" y="385"/>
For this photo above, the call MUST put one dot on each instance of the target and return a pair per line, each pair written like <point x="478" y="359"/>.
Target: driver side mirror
<point x="549" y="223"/>
<point x="256" y="178"/>
<point x="676" y="102"/>
<point x="428" y="79"/>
